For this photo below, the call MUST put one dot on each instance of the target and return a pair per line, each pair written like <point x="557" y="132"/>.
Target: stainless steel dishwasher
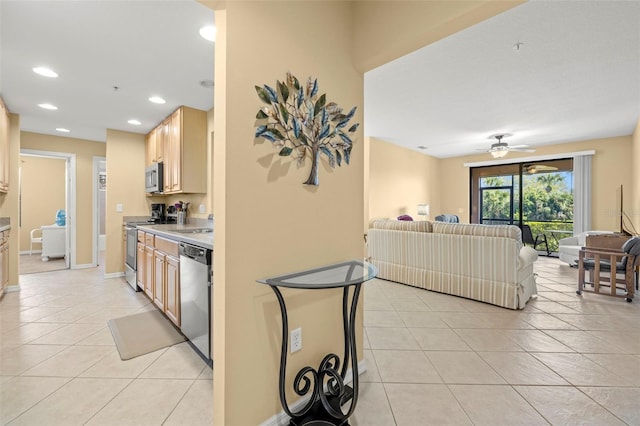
<point x="195" y="296"/>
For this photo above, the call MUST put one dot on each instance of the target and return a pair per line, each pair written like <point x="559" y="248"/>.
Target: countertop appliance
<point x="196" y="281"/>
<point x="158" y="212"/>
<point x="154" y="178"/>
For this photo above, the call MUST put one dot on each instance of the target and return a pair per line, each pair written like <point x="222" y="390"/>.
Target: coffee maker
<point x="158" y="212"/>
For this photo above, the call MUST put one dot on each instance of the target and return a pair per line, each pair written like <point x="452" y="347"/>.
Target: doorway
<point x="99" y="208"/>
<point x="46" y="211"/>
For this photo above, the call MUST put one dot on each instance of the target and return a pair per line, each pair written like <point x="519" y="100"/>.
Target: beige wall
<point x="270" y="223"/>
<point x="611" y="168"/>
<point x="9" y="201"/>
<point x="85" y="151"/>
<point x="400" y="179"/>
<point x="125" y="185"/>
<point x="632" y="196"/>
<point x="43" y="194"/>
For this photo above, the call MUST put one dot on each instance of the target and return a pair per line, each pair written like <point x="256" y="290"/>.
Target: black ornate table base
<point x="325" y="386"/>
<point x="317" y="415"/>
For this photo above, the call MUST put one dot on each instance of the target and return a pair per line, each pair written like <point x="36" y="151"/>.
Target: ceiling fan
<point x="500" y="149"/>
<point x="536" y="168"/>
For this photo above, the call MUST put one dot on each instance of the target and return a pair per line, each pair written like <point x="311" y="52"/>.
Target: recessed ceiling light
<point x="48" y="106"/>
<point x="134" y="122"/>
<point x="208" y="33"/>
<point x="47" y="72"/>
<point x="157" y="100"/>
<point x="62" y="129"/>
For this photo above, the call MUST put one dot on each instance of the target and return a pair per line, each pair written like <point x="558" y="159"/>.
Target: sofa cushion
<point x="504" y="231"/>
<point x="402" y="225"/>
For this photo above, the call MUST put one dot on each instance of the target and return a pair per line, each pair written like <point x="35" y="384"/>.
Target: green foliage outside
<point x="547" y="202"/>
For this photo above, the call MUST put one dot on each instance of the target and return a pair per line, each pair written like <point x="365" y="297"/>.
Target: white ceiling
<point x="575" y="77"/>
<point x="145" y="48"/>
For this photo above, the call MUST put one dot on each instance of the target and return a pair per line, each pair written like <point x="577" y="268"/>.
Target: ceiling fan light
<point x="499" y="153"/>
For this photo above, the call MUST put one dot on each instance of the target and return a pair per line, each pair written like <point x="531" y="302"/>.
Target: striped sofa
<point x="481" y="262"/>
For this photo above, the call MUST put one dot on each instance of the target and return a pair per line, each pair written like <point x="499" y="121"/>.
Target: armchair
<point x="619" y="264"/>
<point x="569" y="247"/>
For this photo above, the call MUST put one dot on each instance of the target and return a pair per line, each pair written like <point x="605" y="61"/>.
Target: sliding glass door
<point x="537" y="194"/>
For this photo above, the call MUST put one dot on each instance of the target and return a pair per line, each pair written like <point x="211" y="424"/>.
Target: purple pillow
<point x="405" y="217"/>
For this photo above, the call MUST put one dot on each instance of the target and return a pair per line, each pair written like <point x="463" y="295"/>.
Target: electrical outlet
<point x="119" y="208"/>
<point x="296" y="340"/>
<point x="201" y="209"/>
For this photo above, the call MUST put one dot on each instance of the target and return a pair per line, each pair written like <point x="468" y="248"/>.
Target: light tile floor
<point x="431" y="358"/>
<point x="441" y="360"/>
<point x="59" y="364"/>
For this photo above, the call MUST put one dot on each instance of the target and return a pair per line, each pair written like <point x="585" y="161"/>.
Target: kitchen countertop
<point x="5" y="223"/>
<point x="173" y="232"/>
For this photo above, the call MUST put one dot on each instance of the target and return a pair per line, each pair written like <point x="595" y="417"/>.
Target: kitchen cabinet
<point x="145" y="272"/>
<point x="173" y="166"/>
<point x="4" y="147"/>
<point x="159" y="279"/>
<point x="4" y="261"/>
<point x="159" y="273"/>
<point x="185" y="151"/>
<point x="155" y="140"/>
<point x="167" y="279"/>
<point x="172" y="303"/>
<point x="150" y="148"/>
<point x="149" y="272"/>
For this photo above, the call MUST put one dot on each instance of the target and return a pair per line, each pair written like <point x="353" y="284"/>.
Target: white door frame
<point x="70" y="200"/>
<point x="96" y="208"/>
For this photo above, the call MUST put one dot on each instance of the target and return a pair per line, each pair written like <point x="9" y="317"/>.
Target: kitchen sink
<point x="194" y="230"/>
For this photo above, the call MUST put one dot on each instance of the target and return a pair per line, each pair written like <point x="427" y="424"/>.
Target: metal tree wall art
<point x="299" y="122"/>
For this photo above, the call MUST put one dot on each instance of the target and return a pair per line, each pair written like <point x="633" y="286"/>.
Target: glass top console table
<point x="324" y="406"/>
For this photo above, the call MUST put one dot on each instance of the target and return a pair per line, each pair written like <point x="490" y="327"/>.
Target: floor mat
<point x="143" y="333"/>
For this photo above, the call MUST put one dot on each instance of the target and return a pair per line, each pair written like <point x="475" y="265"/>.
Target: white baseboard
<point x="281" y="419"/>
<point x="12" y="288"/>
<point x="32" y="251"/>
<point x="84" y="266"/>
<point x="114" y="275"/>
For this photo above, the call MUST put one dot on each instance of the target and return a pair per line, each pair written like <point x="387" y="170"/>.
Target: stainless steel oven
<point x="131" y="256"/>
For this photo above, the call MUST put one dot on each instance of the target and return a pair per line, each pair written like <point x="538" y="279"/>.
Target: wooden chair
<point x="619" y="265"/>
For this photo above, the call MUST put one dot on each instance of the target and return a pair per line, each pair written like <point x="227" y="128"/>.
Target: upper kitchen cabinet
<point x="150" y="148"/>
<point x="155" y="143"/>
<point x="4" y="147"/>
<point x="185" y="152"/>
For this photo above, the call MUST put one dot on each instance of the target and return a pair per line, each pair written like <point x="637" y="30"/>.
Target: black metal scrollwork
<point x="324" y="405"/>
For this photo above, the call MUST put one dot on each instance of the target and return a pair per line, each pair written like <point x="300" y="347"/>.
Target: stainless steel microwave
<point x="154" y="178"/>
